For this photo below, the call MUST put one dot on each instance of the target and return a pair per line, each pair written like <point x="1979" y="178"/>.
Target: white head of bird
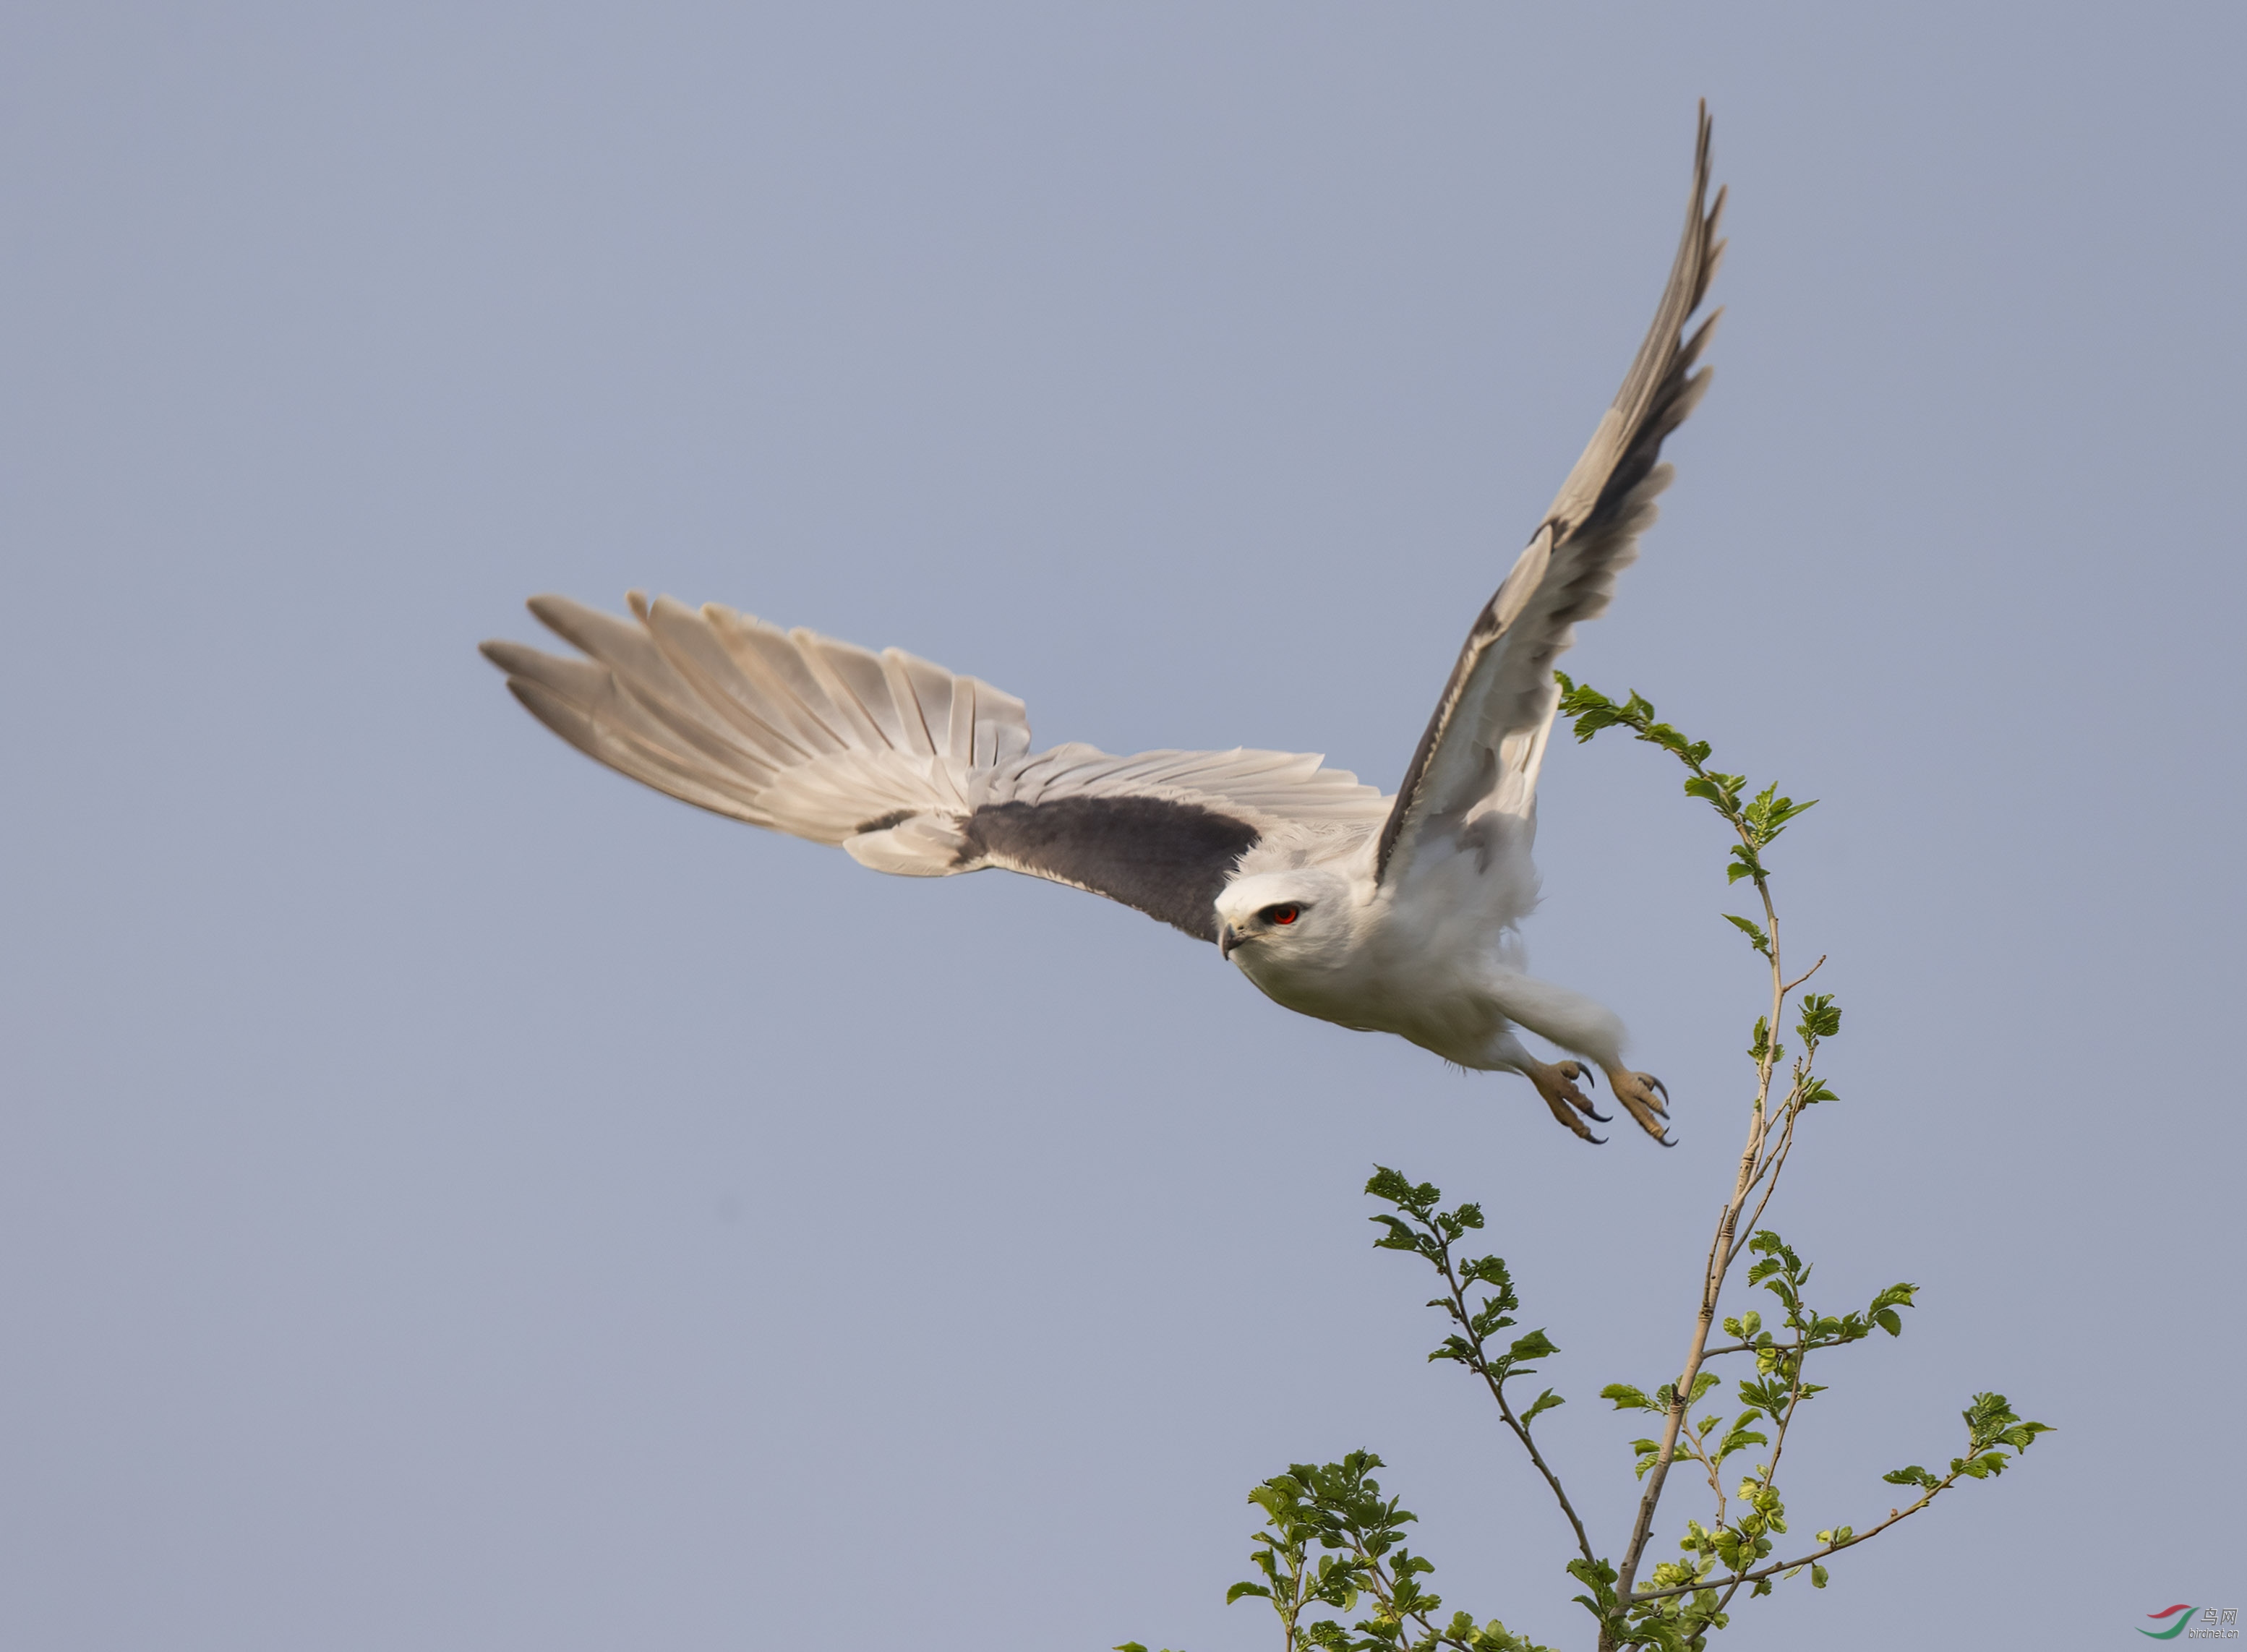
<point x="1296" y="922"/>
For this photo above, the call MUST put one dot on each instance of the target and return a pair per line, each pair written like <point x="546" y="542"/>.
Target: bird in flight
<point x="1384" y="914"/>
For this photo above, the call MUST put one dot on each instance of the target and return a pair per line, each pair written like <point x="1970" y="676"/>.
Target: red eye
<point x="1280" y="914"/>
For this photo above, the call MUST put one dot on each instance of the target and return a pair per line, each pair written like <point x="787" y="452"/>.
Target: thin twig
<point x="1460" y="1312"/>
<point x="1855" y="1538"/>
<point x="1775" y="1164"/>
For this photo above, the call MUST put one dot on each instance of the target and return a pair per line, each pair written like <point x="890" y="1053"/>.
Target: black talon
<point x="1600" y="1118"/>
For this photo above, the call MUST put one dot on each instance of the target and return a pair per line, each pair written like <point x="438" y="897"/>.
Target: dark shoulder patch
<point x="1168" y="859"/>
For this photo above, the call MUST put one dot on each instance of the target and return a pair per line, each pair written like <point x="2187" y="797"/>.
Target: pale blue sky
<point x="451" y="1197"/>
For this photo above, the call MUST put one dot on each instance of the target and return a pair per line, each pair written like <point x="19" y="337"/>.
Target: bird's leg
<point x="1575" y="1022"/>
<point x="1556" y="1083"/>
<point x="1645" y="1097"/>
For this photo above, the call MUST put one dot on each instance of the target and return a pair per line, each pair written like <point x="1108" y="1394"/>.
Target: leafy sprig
<point x="1429" y="1232"/>
<point x="1993" y="1428"/>
<point x="1339" y="1508"/>
<point x="1757" y="820"/>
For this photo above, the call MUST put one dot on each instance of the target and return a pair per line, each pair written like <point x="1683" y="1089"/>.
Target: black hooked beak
<point x="1227" y="939"/>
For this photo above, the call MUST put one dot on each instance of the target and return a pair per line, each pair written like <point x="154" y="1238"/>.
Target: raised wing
<point x="910" y="768"/>
<point x="1482" y="748"/>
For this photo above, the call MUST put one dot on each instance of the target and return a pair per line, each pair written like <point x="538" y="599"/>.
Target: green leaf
<point x="1820" y="1017"/>
<point x="1489" y="1270"/>
<point x="1818" y="1573"/>
<point x="1723" y="791"/>
<point x="1400" y="1236"/>
<point x="1393" y="1186"/>
<point x="1240" y="1589"/>
<point x="1535" y="1346"/>
<point x="1628" y="1398"/>
<point x="1542" y="1403"/>
<point x="1757" y="938"/>
<point x="1740" y="1439"/>
<point x="1768" y="814"/>
<point x="1590" y="710"/>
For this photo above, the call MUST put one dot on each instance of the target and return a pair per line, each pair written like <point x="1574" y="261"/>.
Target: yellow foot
<point x="1556" y="1083"/>
<point x="1647" y="1101"/>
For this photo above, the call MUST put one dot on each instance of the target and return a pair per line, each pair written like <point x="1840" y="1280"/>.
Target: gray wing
<point x="911" y="769"/>
<point x="1483" y="746"/>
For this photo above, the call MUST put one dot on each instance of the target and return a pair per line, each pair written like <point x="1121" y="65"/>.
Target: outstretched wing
<point x="1480" y="754"/>
<point x="910" y="768"/>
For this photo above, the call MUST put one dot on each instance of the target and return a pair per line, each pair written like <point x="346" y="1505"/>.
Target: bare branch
<point x="1775" y="1164"/>
<point x="1730" y="1347"/>
<point x="1788" y="991"/>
